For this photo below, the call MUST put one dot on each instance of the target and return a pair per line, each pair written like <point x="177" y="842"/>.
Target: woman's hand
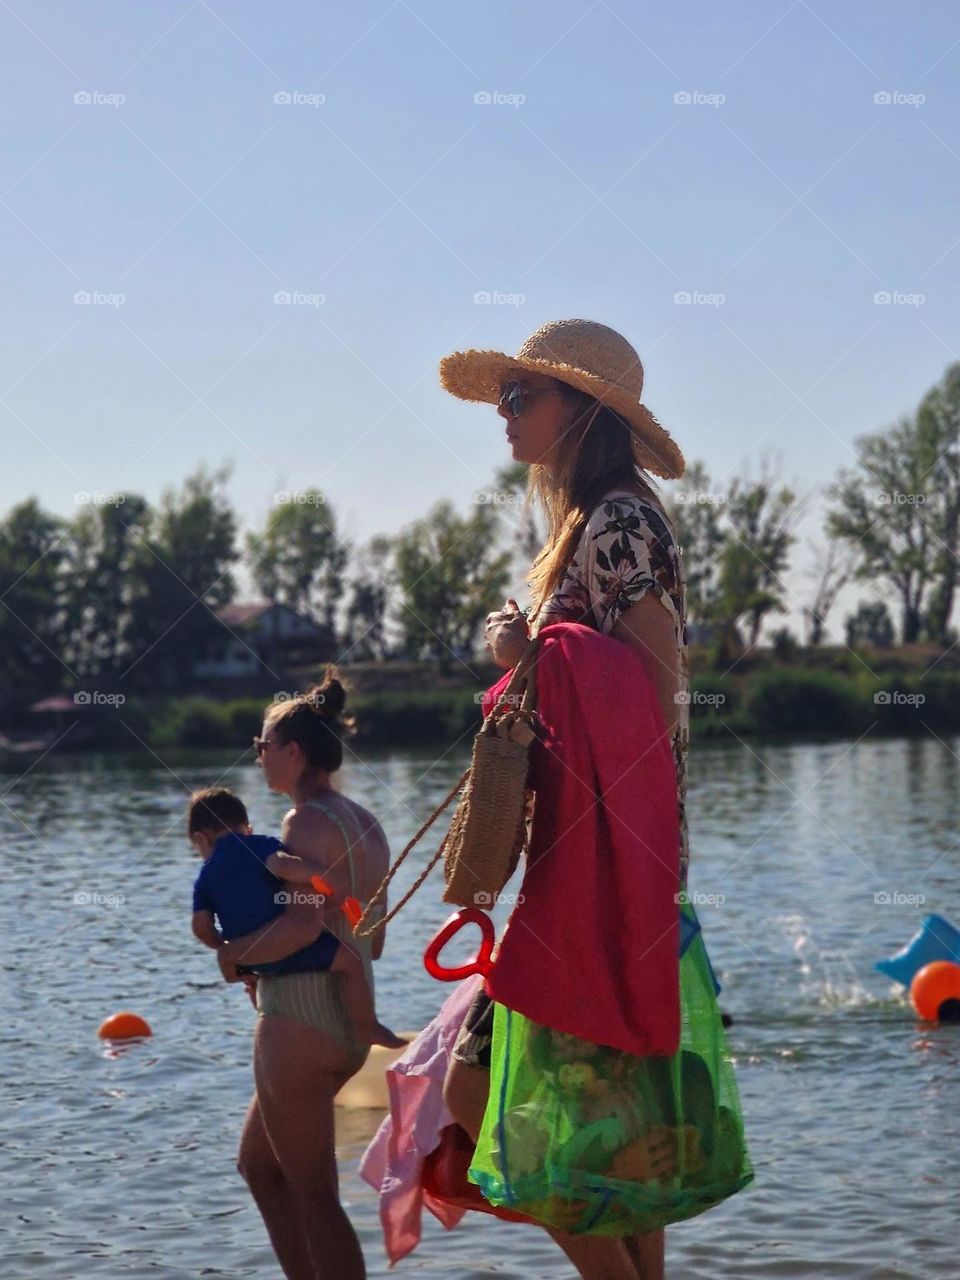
<point x="227" y="966"/>
<point x="249" y="980"/>
<point x="506" y="635"/>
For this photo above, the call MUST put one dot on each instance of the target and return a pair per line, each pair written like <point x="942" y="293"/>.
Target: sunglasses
<point x="260" y="745"/>
<point x="515" y="396"/>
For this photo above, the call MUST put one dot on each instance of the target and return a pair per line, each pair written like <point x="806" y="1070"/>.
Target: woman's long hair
<point x="593" y="455"/>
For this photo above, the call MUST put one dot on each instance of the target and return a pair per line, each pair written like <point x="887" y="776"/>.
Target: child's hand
<point x="249" y="980"/>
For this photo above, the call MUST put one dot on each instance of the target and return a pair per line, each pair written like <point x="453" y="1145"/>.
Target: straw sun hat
<point x="586" y="355"/>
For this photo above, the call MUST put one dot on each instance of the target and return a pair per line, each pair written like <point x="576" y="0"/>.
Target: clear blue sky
<point x="398" y="197"/>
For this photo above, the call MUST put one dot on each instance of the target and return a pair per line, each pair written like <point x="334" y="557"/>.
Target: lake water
<point x="123" y="1166"/>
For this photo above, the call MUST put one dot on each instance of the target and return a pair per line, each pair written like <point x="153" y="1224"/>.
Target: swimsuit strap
<point x="319" y="804"/>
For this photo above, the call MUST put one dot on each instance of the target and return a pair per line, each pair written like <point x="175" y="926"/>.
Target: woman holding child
<point x="316" y="1019"/>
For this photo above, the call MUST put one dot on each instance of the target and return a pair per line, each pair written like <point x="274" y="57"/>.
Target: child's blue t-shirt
<point x="236" y="886"/>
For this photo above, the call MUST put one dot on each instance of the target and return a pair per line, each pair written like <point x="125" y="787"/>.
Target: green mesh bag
<point x="592" y="1140"/>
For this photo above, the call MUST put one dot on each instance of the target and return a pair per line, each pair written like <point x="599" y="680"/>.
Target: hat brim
<point x="480" y="375"/>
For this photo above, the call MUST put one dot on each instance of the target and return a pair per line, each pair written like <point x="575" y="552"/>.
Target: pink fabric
<point x="411" y="1130"/>
<point x="591" y="948"/>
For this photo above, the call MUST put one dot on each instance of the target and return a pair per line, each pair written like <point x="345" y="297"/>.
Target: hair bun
<point x="328" y="699"/>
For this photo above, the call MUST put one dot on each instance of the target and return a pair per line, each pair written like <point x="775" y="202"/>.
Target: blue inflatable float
<point x="936" y="939"/>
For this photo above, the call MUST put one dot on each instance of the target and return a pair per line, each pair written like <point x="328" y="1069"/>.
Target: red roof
<point x="59" y="702"/>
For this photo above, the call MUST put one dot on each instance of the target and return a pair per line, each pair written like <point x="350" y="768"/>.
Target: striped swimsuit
<point x="315" y="997"/>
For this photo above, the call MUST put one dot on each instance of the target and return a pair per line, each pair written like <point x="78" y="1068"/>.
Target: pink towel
<point x="392" y="1162"/>
<point x="591" y="948"/>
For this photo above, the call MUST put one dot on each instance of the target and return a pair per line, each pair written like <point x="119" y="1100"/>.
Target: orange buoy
<point x="933" y="986"/>
<point x="123" y="1026"/>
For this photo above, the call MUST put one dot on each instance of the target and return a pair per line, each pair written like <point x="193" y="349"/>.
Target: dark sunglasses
<point x="260" y="745"/>
<point x="515" y="396"/>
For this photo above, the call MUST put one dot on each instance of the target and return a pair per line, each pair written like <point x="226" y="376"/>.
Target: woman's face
<point x="544" y="416"/>
<point x="281" y="762"/>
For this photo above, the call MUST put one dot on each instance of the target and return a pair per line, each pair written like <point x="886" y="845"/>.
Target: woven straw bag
<point x="490" y="825"/>
<point x="489" y="828"/>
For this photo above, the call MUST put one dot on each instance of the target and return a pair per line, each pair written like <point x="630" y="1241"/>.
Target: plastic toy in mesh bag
<point x="591" y="1140"/>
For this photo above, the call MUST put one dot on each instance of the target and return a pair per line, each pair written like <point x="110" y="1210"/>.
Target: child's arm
<point x="287" y="866"/>
<point x="205" y="931"/>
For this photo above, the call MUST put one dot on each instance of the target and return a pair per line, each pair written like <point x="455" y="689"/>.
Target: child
<point x="242" y="882"/>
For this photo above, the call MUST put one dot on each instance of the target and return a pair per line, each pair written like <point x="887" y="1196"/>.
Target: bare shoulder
<point x="368" y="822"/>
<point x="307" y="831"/>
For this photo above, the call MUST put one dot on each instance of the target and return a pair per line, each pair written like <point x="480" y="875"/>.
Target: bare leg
<point x="260" y="1169"/>
<point x="647" y="1252"/>
<point x="465" y="1091"/>
<point x="358" y="1002"/>
<point x="298" y="1070"/>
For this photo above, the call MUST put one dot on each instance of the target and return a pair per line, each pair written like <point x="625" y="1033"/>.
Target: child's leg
<point x="358" y="1001"/>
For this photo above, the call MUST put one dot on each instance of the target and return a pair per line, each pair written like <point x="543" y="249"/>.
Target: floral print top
<point x="627" y="549"/>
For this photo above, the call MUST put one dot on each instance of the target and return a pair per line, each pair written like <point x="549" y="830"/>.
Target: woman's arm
<point x="318" y="846"/>
<point x="648" y="627"/>
<point x="299" y="925"/>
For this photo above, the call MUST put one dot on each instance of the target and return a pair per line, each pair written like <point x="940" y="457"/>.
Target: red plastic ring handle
<point x="482" y="964"/>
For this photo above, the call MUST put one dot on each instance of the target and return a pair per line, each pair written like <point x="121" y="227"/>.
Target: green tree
<point x="527" y="534"/>
<point x="369" y="601"/>
<point x="32" y="553"/>
<point x="878" y="509"/>
<point x="756" y="551"/>
<point x="299" y="558"/>
<point x="696" y="514"/>
<point x="105" y="586"/>
<point x="938" y="430"/>
<point x="834" y="568"/>
<point x="871" y="624"/>
<point x="450" y="575"/>
<point x="187" y="576"/>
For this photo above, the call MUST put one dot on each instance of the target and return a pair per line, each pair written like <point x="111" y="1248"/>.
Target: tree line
<point x="128" y="592"/>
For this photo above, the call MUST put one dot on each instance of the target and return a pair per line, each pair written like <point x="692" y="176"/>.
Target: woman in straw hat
<point x="571" y="399"/>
